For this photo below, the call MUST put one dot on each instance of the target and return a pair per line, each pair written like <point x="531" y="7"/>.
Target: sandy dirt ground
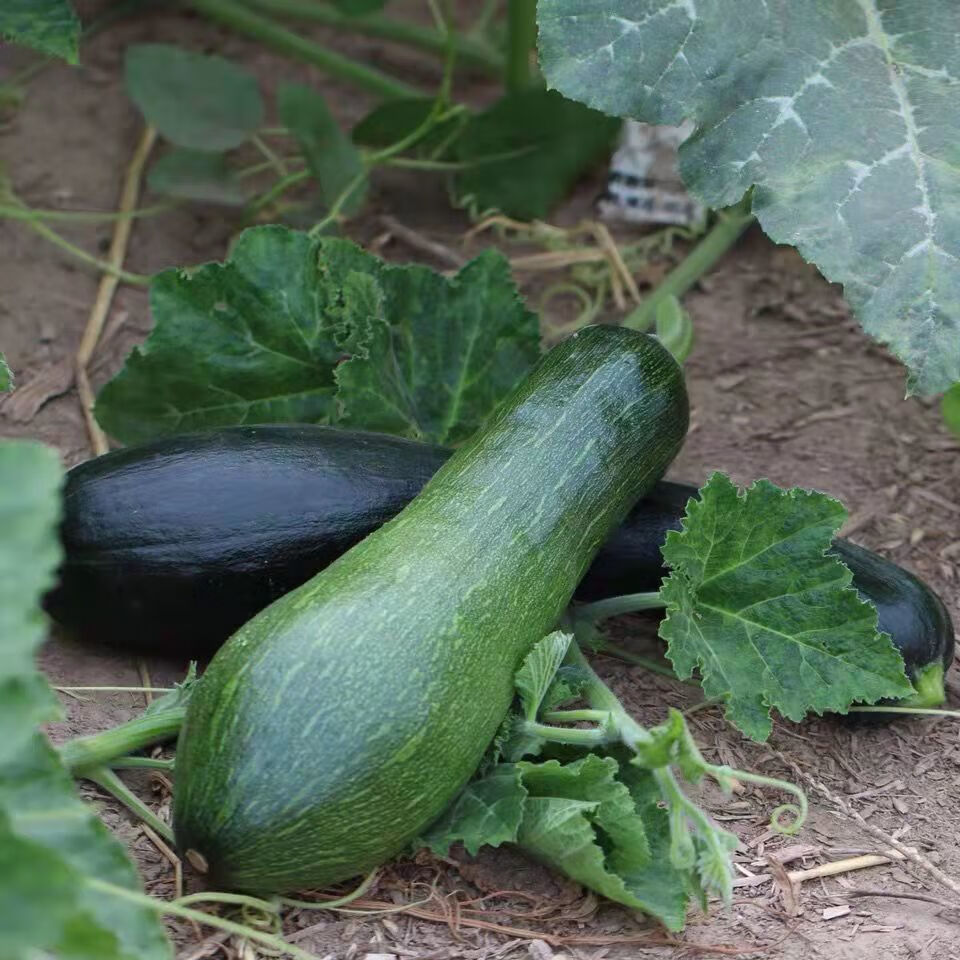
<point x="783" y="385"/>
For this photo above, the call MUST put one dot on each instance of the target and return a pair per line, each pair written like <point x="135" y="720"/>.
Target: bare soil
<point x="783" y="385"/>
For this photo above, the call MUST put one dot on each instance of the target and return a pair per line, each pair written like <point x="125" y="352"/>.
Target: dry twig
<point x="108" y="285"/>
<point x="170" y="856"/>
<point x="909" y="853"/>
<point x="418" y="241"/>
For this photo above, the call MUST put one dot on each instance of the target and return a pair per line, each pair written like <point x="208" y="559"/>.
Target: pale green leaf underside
<point x="30" y="477"/>
<point x="845" y="116"/>
<point x="487" y="813"/>
<point x="50" y="841"/>
<point x="6" y="375"/>
<point x="768" y="617"/>
<point x="538" y="670"/>
<point x="49" y="26"/>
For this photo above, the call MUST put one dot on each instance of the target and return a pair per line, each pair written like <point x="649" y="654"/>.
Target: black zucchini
<point x="172" y="546"/>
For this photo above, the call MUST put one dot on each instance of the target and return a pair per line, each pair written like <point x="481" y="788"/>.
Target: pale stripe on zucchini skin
<point x="342" y="719"/>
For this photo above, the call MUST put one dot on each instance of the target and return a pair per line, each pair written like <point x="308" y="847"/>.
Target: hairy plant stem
<point x="521" y="43"/>
<point x="623" y="727"/>
<point x="616" y="606"/>
<point x="233" y="14"/>
<point x="109" y="781"/>
<point x="148" y="763"/>
<point x="731" y="222"/>
<point x="920" y="711"/>
<point x="98" y="749"/>
<point x="470" y="49"/>
<point x="576" y="736"/>
<point x="79" y="216"/>
<point x="621" y="653"/>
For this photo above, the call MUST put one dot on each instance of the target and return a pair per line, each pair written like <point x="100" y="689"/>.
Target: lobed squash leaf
<point x="842" y="116"/>
<point x="439" y="353"/>
<point x="261" y="339"/>
<point x="48" y="26"/>
<point x="244" y="341"/>
<point x="770" y="619"/>
<point x="59" y="866"/>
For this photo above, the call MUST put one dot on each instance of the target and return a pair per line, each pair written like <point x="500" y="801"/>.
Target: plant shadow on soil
<point x="783" y="385"/>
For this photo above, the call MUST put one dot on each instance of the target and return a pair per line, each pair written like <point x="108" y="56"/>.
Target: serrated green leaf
<point x="6" y="375"/>
<point x="770" y="619"/>
<point x="193" y="175"/>
<point x="257" y="339"/>
<point x="49" y="26"/>
<point x="486" y="813"/>
<point x="198" y="102"/>
<point x="844" y="118"/>
<point x="582" y="820"/>
<point x="51" y="844"/>
<point x="332" y="158"/>
<point x="950" y="407"/>
<point x="538" y="670"/>
<point x="546" y="143"/>
<point x="438" y="353"/>
<point x="244" y="341"/>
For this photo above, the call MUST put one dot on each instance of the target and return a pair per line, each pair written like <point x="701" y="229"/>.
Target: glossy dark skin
<point x="174" y="545"/>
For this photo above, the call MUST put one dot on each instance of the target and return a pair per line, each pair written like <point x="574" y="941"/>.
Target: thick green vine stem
<point x="242" y="19"/>
<point x="470" y="48"/>
<point x="109" y="781"/>
<point x="98" y="749"/>
<point x="521" y="43"/>
<point x="731" y="222"/>
<point x="141" y="763"/>
<point x="617" y="606"/>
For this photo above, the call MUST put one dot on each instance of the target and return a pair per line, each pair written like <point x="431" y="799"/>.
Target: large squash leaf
<point x="433" y="356"/>
<point x="260" y="339"/>
<point x="844" y="116"/>
<point x="767" y="615"/>
<point x="58" y="863"/>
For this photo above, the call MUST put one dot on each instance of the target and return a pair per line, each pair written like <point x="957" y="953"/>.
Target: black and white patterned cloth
<point x="643" y="185"/>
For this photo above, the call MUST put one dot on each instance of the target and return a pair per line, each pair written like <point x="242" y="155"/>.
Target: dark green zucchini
<point x="172" y="546"/>
<point x="340" y="721"/>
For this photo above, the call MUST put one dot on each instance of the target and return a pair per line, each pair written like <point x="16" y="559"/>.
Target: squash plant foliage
<point x="605" y="803"/>
<point x="843" y="118"/>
